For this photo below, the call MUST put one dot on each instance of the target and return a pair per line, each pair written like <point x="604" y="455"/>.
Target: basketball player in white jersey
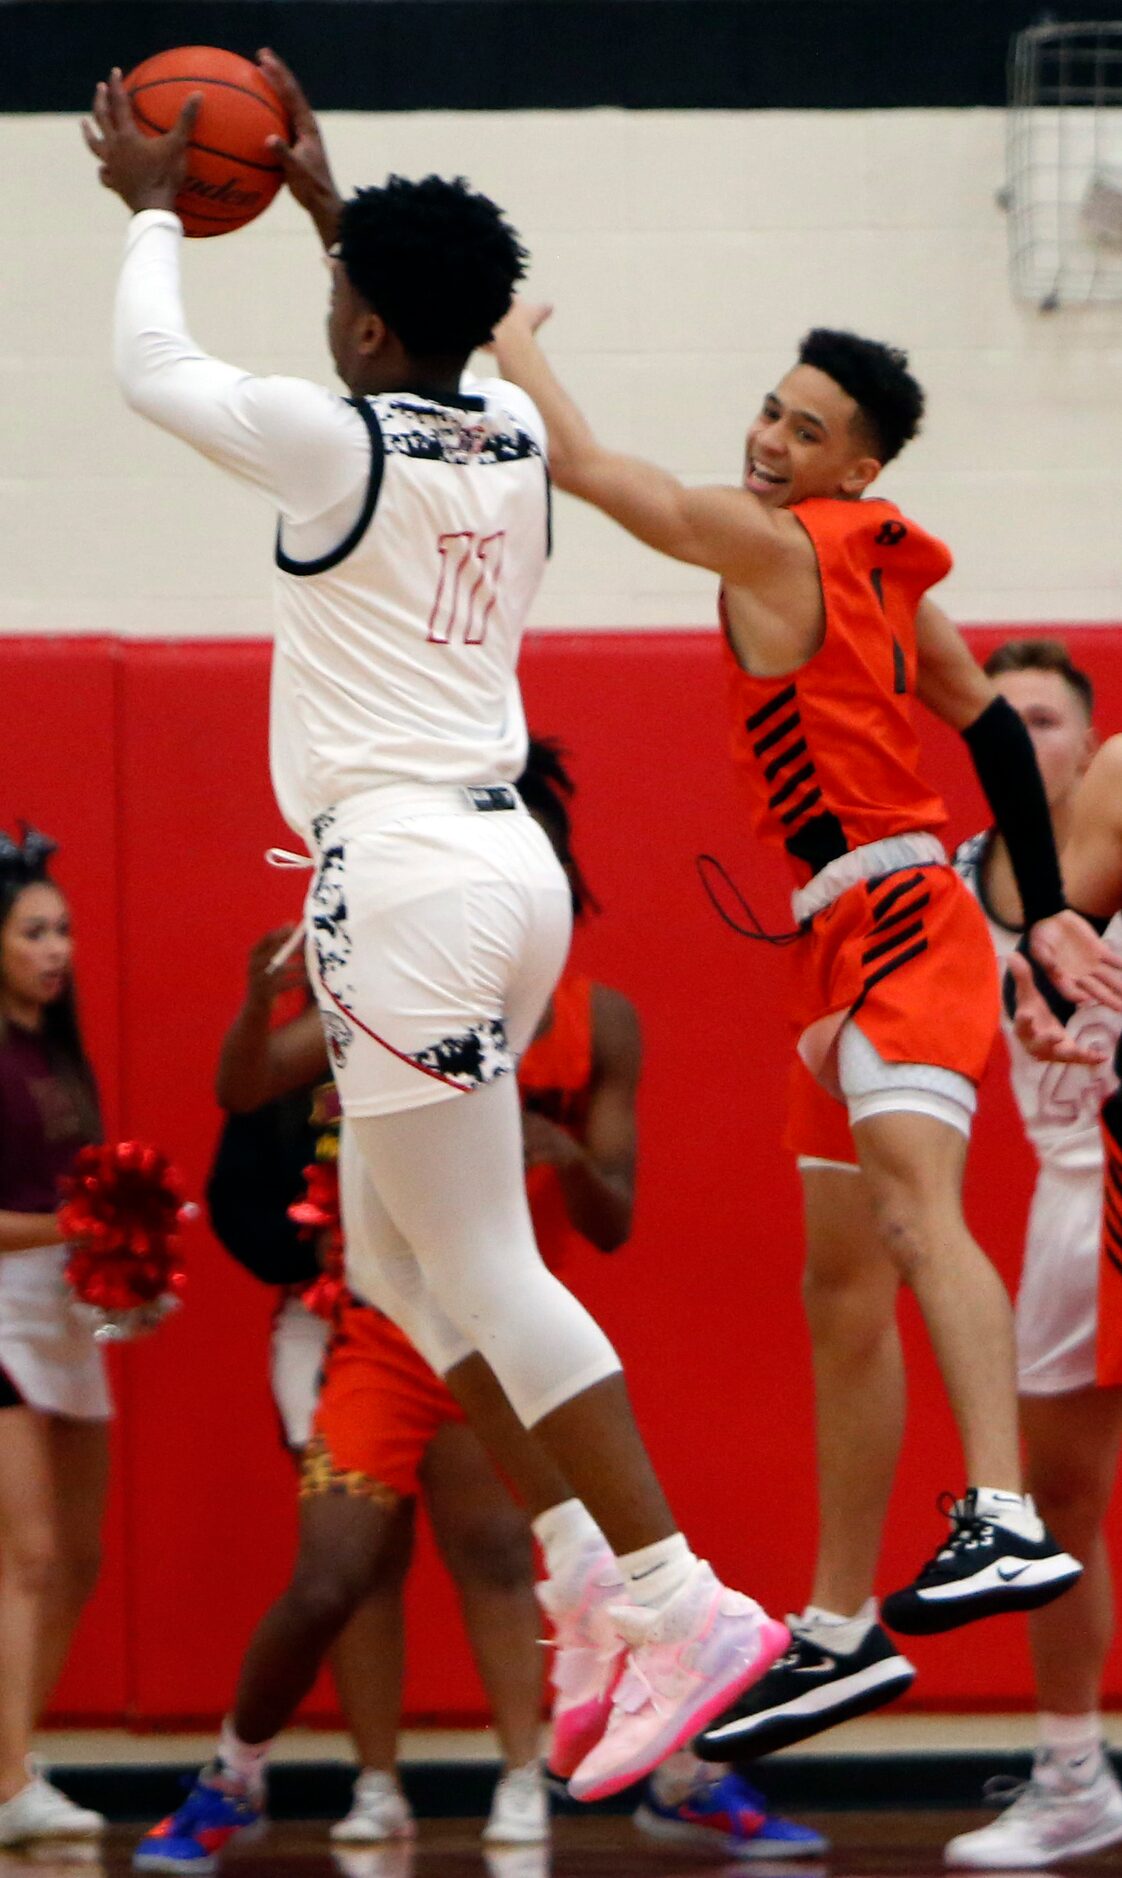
<point x="1073" y="1429"/>
<point x="413" y="534"/>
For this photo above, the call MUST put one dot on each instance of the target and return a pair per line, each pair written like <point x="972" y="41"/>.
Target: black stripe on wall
<point x="505" y="55"/>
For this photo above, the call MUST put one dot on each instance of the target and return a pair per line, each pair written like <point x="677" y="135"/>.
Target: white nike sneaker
<point x="1053" y="1816"/>
<point x="379" y="1811"/>
<point x="40" y="1811"/>
<point x="520" y="1808"/>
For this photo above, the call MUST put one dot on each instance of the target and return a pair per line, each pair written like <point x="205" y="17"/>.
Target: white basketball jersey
<point x="396" y="653"/>
<point x="1059" y="1102"/>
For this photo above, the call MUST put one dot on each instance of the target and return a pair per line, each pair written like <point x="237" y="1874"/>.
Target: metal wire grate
<point x="1063" y="190"/>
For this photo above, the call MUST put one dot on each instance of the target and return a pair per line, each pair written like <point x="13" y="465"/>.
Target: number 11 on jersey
<point x="470" y="566"/>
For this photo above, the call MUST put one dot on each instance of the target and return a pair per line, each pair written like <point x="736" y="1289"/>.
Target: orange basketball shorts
<point x="909" y="959"/>
<point x="379" y="1408"/>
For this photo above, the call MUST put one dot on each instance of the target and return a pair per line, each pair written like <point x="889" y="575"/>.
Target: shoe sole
<point x="774" y="1639"/>
<point x="810" y="1714"/>
<point x="401" y="1837"/>
<point x="931" y="1619"/>
<point x="58" y="1835"/>
<point x="487" y="1837"/>
<point x="703" y="1839"/>
<point x="159" y="1861"/>
<point x="162" y="1861"/>
<point x="1079" y="1848"/>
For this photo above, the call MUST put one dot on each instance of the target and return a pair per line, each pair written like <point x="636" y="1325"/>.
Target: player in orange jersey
<point x="829" y="633"/>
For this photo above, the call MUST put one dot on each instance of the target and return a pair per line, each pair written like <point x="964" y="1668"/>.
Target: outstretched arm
<point x="1093" y="852"/>
<point x="952" y="684"/>
<point x="724" y="529"/>
<point x="294" y="441"/>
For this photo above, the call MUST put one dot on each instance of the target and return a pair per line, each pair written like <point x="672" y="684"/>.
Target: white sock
<point x="1014" y="1510"/>
<point x="833" y="1632"/>
<point x="1076" y="1741"/>
<point x="565" y="1532"/>
<point x="244" y="1760"/>
<point x="655" y="1572"/>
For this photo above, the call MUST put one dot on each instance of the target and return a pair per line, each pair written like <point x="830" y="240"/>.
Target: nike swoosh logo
<point x="1008" y="1577"/>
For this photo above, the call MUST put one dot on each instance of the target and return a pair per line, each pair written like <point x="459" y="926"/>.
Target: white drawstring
<point x="285" y="858"/>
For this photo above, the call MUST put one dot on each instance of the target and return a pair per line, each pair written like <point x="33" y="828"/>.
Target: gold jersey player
<point x="414" y="526"/>
<point x="830" y="633"/>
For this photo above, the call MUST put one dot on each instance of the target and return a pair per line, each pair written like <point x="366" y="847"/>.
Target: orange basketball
<point x="231" y="173"/>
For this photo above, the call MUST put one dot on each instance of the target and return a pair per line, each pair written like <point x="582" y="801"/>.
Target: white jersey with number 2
<point x="413" y="534"/>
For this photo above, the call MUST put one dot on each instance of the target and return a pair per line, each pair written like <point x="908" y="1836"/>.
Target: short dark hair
<point x="1043" y="655"/>
<point x="435" y="260"/>
<point x="547" y="788"/>
<point x="877" y="378"/>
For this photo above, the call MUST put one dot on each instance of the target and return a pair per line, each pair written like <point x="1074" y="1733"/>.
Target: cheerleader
<point x="54" y="1402"/>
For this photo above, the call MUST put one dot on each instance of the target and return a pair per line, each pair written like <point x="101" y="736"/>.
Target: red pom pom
<point x="123" y="1206"/>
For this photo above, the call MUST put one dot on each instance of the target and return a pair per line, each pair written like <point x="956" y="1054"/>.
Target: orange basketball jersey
<point x="830" y="751"/>
<point x="554" y="1077"/>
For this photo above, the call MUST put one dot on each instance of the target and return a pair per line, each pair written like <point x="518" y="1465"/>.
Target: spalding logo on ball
<point x="231" y="172"/>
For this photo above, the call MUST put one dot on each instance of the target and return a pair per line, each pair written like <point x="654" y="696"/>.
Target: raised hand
<point x="524" y="318"/>
<point x="304" y="161"/>
<point x="1082" y="966"/>
<point x="146" y="172"/>
<point x="1038" y="1030"/>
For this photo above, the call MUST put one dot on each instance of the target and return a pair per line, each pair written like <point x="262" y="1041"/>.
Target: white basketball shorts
<point x="1057" y="1298"/>
<point x="297" y="1351"/>
<point x="438" y="921"/>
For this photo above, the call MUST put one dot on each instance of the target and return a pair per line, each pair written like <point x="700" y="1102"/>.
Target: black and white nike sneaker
<point x="985" y="1568"/>
<point x="809" y="1689"/>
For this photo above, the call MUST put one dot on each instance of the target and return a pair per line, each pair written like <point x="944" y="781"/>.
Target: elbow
<point x="238" y="1098"/>
<point x="565" y="471"/>
<point x="614" y="1233"/>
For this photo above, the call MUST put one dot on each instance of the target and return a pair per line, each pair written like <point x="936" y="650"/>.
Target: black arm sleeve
<point x="1006" y="764"/>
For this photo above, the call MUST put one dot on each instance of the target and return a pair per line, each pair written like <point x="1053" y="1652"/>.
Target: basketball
<point x="231" y="173"/>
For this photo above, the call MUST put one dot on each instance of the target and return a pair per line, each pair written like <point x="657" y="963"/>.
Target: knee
<point x="852" y="1300"/>
<point x="495" y="1552"/>
<point x="323" y="1595"/>
<point x="903" y="1214"/>
<point x="31" y="1563"/>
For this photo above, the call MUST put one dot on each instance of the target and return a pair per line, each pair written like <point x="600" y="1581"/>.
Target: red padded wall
<point x="148" y="761"/>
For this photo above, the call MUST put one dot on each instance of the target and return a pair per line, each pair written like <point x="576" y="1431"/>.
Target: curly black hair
<point x="435" y="260"/>
<point x="878" y="380"/>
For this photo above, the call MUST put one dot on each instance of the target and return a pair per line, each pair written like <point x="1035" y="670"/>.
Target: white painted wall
<point x="686" y="252"/>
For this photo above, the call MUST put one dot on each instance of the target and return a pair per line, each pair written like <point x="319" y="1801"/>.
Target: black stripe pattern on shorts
<point x="897" y="934"/>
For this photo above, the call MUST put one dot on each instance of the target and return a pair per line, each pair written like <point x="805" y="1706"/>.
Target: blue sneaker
<point x="214" y="1812"/>
<point x="728" y="1818"/>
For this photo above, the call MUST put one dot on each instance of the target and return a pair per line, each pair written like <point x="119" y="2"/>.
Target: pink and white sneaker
<point x="588" y="1659"/>
<point x="686" y="1663"/>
